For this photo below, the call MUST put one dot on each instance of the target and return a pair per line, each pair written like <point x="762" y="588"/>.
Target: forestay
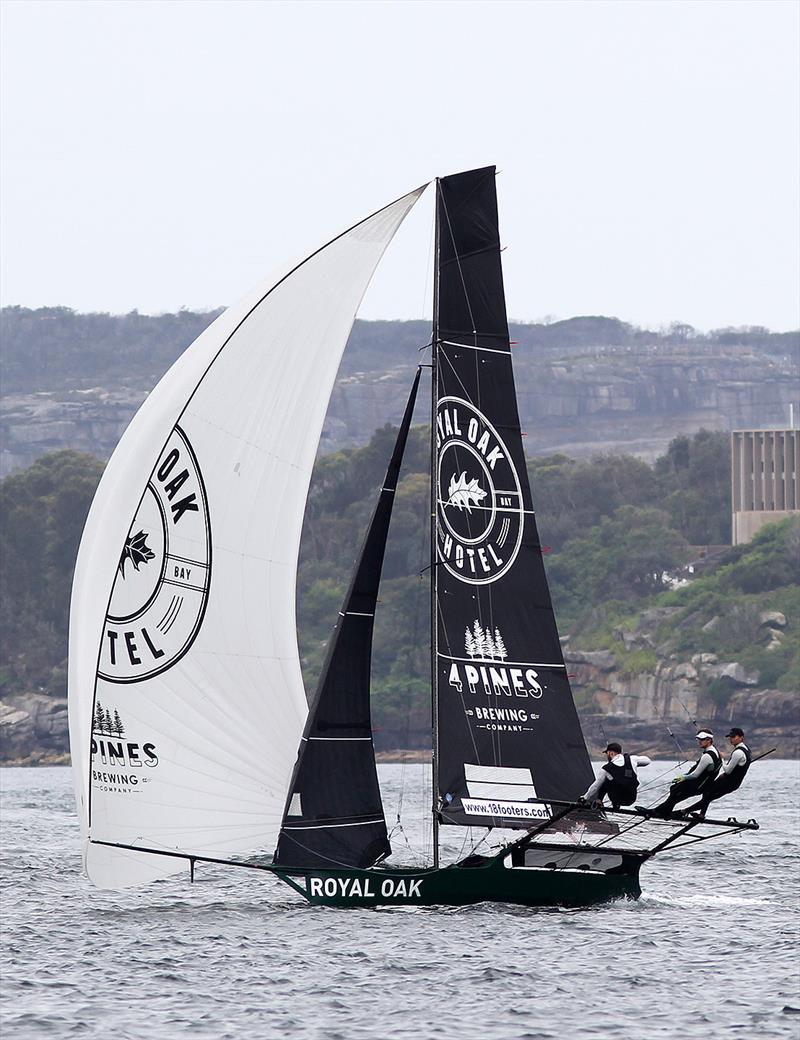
<point x="186" y="697"/>
<point x="507" y="726"/>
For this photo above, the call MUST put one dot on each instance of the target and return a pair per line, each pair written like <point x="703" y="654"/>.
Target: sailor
<point x="699" y="776"/>
<point x="617" y="778"/>
<point x="731" y="776"/>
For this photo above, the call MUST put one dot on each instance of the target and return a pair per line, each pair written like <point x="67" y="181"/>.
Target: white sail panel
<point x="186" y="696"/>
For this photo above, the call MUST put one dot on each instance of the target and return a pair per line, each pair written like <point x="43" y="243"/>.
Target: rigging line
<point x="654" y="780"/>
<point x="404" y="754"/>
<point x="321" y="855"/>
<point x="455" y="375"/>
<point x="467" y="837"/>
<point x="683" y="757"/>
<point x="420" y="599"/>
<point x="458" y="258"/>
<point x="636" y="822"/>
<point x="482" y="840"/>
<point x="399" y="827"/>
<point x="692" y="719"/>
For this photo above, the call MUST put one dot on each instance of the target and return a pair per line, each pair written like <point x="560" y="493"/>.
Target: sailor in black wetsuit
<point x="699" y="776"/>
<point x="731" y="776"/>
<point x="617" y="778"/>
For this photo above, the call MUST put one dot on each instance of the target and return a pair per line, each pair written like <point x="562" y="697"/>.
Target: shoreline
<point x="413" y="756"/>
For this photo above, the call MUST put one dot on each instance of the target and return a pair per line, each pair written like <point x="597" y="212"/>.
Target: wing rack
<point x="573" y="827"/>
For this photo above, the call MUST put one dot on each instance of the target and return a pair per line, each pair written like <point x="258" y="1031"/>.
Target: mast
<point x="434" y="627"/>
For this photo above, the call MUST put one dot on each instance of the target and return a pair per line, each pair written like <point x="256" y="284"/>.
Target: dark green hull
<point x="477" y="880"/>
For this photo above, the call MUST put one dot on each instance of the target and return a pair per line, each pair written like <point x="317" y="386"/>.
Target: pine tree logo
<point x="106" y="724"/>
<point x="484" y="644"/>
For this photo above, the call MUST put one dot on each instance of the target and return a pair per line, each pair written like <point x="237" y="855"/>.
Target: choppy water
<point x="709" y="951"/>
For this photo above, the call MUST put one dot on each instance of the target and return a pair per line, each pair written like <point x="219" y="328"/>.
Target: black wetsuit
<point x="692" y="784"/>
<point x="724" y="783"/>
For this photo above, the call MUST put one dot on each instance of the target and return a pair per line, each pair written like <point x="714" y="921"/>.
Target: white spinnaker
<point x="186" y="698"/>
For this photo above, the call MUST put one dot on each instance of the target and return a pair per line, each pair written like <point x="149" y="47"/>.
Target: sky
<point x="159" y="154"/>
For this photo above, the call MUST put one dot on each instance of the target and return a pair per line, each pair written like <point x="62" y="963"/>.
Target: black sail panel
<point x="334" y="815"/>
<point x="507" y="726"/>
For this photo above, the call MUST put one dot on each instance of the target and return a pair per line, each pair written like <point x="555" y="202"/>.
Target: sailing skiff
<point x="192" y="740"/>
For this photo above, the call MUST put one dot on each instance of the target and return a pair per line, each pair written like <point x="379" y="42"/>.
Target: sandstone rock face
<point x="603" y="660"/>
<point x="92" y="421"/>
<point x="641" y="708"/>
<point x="580" y="392"/>
<point x="732" y="671"/>
<point x="772" y="619"/>
<point x="34" y="730"/>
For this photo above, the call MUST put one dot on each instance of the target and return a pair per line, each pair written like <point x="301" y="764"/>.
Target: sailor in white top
<point x="731" y="775"/>
<point x="697" y="779"/>
<point x="617" y="778"/>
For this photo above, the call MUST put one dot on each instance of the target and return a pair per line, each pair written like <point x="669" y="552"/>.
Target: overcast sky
<point x="166" y="154"/>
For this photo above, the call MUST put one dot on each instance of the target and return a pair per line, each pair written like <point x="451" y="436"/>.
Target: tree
<point x="42" y="513"/>
<point x="626" y="557"/>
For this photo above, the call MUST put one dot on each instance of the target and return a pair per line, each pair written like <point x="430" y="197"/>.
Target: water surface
<point x="710" y="950"/>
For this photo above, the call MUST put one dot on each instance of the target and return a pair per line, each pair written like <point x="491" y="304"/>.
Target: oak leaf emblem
<point x="465" y="494"/>
<point x="136" y="550"/>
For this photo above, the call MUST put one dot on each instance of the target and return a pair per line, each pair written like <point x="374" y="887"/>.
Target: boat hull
<point x="492" y="880"/>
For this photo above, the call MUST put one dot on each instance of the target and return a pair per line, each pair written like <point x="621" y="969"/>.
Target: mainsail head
<point x="185" y="693"/>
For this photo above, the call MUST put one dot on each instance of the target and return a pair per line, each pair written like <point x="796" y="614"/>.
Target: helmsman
<point x="618" y="778"/>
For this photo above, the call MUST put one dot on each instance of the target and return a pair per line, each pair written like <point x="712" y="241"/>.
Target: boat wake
<point x="702" y="899"/>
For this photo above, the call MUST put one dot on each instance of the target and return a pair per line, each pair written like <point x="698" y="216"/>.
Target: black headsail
<point x="334" y="815"/>
<point x="507" y="729"/>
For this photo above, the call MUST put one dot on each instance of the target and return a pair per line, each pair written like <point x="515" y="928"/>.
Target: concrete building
<point x="764" y="479"/>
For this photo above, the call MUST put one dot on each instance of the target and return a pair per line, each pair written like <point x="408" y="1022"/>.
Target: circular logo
<point x="161" y="586"/>
<point x="480" y="515"/>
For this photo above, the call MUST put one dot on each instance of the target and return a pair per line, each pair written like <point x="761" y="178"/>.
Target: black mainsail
<point x="506" y="722"/>
<point x="334" y="816"/>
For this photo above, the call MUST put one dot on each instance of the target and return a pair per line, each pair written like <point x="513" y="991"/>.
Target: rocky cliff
<point x="585" y="385"/>
<point x="640" y="697"/>
<point x="33" y="730"/>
